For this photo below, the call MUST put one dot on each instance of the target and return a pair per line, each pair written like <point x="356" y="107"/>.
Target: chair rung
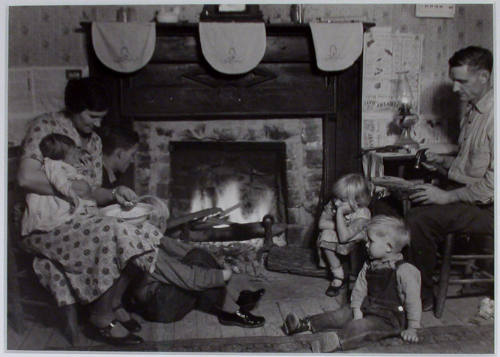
<point x="34" y="302"/>
<point x="470" y="281"/>
<point x="485" y="273"/>
<point x="471" y="256"/>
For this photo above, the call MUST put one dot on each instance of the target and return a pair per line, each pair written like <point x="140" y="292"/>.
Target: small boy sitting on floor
<point x="385" y="300"/>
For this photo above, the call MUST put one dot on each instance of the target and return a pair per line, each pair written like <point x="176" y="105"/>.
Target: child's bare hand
<point x="73" y="204"/>
<point x="409" y="335"/>
<point x="357" y="314"/>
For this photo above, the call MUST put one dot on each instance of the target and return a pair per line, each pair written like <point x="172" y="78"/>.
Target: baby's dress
<point x="328" y="238"/>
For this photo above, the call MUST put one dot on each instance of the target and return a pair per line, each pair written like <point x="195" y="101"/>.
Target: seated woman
<point x="87" y="258"/>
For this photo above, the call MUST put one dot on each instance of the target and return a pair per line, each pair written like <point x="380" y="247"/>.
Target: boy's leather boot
<point x="295" y="325"/>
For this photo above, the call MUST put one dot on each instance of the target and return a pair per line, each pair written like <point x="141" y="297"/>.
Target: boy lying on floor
<point x="385" y="300"/>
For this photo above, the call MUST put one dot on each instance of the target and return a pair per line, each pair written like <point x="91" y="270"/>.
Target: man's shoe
<point x="241" y="319"/>
<point x="428" y="304"/>
<point x="427" y="300"/>
<point x="295" y="325"/>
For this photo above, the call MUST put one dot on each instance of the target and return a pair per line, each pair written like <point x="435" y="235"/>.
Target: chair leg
<point x="71" y="328"/>
<point x="444" y="277"/>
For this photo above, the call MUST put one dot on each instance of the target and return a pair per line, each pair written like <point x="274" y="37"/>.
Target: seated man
<point x="186" y="278"/>
<point x="119" y="145"/>
<point x="191" y="279"/>
<point x="466" y="206"/>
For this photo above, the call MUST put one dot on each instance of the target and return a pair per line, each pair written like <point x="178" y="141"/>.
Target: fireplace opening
<point x="246" y="179"/>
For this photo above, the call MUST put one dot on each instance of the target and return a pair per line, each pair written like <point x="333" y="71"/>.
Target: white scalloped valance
<point x="233" y="47"/>
<point x="124" y="47"/>
<point x="337" y="45"/>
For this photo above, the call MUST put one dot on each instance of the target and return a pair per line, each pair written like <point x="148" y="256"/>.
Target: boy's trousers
<point x="353" y="333"/>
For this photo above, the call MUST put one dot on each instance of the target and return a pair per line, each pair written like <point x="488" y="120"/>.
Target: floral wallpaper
<point x="48" y="36"/>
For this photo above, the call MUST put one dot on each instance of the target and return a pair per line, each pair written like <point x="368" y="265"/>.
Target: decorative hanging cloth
<point x="337" y="45"/>
<point x="233" y="47"/>
<point x="124" y="46"/>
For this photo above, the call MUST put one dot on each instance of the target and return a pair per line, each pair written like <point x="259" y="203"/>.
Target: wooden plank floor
<point x="284" y="293"/>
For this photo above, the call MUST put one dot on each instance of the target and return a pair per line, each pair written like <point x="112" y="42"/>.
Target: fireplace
<point x="178" y="98"/>
<point x="246" y="178"/>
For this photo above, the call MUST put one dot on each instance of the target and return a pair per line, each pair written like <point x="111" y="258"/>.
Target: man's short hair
<point x="55" y="146"/>
<point x="396" y="229"/>
<point x="474" y="57"/>
<point x="117" y="137"/>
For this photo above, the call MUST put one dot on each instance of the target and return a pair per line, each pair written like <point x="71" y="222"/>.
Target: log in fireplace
<point x="177" y="94"/>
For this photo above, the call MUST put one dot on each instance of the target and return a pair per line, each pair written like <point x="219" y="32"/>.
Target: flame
<point x="229" y="194"/>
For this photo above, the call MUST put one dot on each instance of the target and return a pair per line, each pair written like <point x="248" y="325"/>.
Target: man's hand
<point x="409" y="335"/>
<point x="125" y="196"/>
<point x="433" y="158"/>
<point x="428" y="194"/>
<point x="357" y="314"/>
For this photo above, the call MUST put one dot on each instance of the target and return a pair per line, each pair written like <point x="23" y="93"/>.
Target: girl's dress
<point x="328" y="238"/>
<point x="87" y="253"/>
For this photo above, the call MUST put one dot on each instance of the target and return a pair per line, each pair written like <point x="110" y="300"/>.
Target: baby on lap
<point x="61" y="164"/>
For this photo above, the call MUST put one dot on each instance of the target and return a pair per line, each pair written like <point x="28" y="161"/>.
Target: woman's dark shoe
<point x="248" y="299"/>
<point x="241" y="319"/>
<point x="333" y="291"/>
<point x="132" y="325"/>
<point x="105" y="335"/>
<point x="295" y="325"/>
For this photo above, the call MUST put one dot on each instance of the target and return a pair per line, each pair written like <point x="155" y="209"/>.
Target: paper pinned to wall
<point x="375" y="130"/>
<point x="384" y="55"/>
<point x="32" y="91"/>
<point x="20" y="95"/>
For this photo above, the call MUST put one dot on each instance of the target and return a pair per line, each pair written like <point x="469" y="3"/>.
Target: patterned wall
<point x="47" y="36"/>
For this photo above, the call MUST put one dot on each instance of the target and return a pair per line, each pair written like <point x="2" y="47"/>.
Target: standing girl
<point x="342" y="225"/>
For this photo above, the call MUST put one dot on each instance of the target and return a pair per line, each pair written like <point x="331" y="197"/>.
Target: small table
<point x="376" y="164"/>
<point x="400" y="163"/>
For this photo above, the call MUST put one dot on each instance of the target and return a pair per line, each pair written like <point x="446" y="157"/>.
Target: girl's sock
<point x="338" y="276"/>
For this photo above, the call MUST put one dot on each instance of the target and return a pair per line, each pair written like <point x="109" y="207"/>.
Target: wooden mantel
<point x="178" y="84"/>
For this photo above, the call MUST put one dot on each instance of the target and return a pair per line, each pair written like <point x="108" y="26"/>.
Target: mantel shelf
<point x="191" y="28"/>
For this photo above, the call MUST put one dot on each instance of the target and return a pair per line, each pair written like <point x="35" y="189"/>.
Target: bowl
<point x="138" y="214"/>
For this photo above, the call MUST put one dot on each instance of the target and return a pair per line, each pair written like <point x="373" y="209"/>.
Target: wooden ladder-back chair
<point x="24" y="290"/>
<point x="472" y="272"/>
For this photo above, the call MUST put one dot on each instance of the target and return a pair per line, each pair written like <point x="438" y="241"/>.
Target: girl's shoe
<point x="333" y="291"/>
<point x="295" y="325"/>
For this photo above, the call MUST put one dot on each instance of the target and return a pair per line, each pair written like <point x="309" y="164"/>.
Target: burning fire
<point x="229" y="194"/>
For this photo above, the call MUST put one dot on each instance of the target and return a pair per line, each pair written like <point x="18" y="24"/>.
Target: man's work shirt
<point x="474" y="164"/>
